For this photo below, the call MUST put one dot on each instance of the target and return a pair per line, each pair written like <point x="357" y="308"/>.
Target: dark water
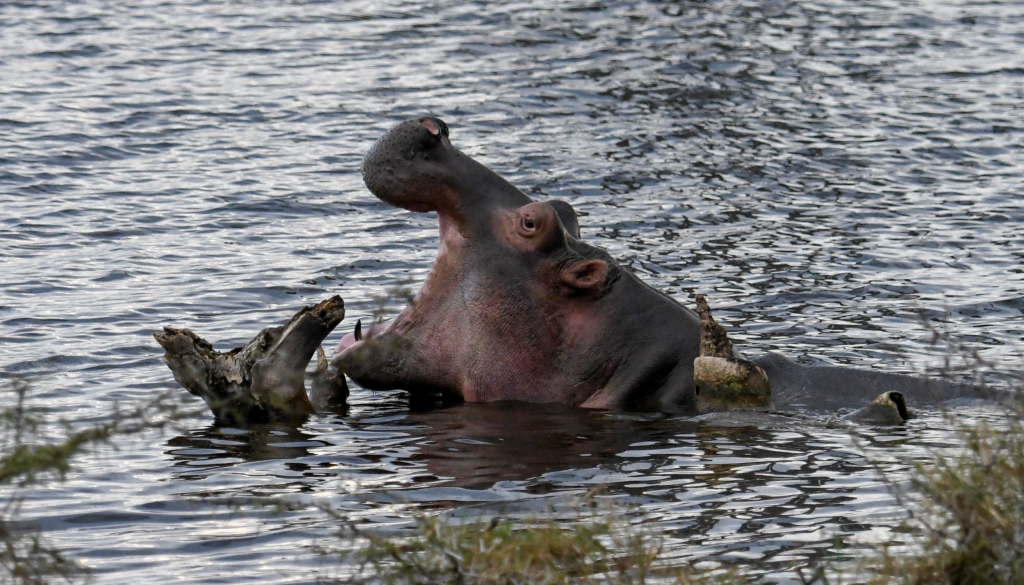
<point x="821" y="170"/>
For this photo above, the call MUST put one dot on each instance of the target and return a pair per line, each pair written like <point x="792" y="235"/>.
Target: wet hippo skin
<point x="516" y="307"/>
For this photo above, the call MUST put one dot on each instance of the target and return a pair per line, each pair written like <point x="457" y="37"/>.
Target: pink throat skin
<point x="487" y="336"/>
<point x="450" y="238"/>
<point x="346" y="342"/>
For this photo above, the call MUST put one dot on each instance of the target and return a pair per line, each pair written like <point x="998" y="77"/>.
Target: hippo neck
<point x="460" y="324"/>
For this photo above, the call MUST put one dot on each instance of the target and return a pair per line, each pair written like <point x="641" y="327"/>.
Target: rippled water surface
<point x="823" y="171"/>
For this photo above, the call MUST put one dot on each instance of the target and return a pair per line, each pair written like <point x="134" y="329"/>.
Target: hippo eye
<point x="527" y="226"/>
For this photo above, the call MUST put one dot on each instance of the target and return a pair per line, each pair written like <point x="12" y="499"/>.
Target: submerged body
<point x="516" y="307"/>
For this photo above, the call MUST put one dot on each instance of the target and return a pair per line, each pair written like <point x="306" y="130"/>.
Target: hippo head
<point x="516" y="307"/>
<point x="415" y="167"/>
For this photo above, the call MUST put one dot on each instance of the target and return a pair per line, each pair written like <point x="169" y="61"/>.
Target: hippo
<point x="518" y="308"/>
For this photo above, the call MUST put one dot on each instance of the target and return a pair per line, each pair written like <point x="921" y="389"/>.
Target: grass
<point x="966" y="508"/>
<point x="594" y="552"/>
<point x="970" y="521"/>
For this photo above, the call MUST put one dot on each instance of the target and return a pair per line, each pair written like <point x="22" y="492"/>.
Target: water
<point x="823" y="171"/>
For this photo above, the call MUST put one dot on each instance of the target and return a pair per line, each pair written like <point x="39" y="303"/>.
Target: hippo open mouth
<point x="515" y="306"/>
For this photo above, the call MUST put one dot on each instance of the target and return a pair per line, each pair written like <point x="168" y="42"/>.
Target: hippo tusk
<point x="889" y="408"/>
<point x="328" y="388"/>
<point x="321" y="359"/>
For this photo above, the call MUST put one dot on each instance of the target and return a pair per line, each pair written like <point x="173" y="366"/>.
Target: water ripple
<point x="822" y="170"/>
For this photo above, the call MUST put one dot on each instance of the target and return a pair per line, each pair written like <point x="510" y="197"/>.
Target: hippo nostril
<point x="435" y="126"/>
<point x="431" y="126"/>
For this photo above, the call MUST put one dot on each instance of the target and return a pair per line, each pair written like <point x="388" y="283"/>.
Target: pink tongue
<point x="346" y="342"/>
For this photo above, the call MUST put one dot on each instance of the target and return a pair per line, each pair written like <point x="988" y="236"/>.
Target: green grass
<point x="592" y="552"/>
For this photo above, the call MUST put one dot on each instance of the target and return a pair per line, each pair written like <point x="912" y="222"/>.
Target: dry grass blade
<point x="592" y="551"/>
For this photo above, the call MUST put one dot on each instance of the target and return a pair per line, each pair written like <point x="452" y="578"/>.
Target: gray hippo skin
<point x="516" y="307"/>
<point x="830" y="388"/>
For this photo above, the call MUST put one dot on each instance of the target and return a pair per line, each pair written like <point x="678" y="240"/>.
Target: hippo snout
<point x="415" y="167"/>
<point x="406" y="166"/>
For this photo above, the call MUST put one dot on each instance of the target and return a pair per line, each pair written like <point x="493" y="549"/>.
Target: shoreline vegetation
<point x="28" y="458"/>
<point x="964" y="525"/>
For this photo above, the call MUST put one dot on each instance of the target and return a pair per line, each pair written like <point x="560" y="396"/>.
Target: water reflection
<point x="478" y="445"/>
<point x="782" y="494"/>
<point x="204" y="450"/>
<point x="465" y="445"/>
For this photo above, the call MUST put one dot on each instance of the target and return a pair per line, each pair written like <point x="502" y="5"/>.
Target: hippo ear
<point x="567" y="215"/>
<point x="585" y="275"/>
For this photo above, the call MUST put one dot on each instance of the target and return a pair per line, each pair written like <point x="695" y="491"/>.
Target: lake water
<point x="823" y="171"/>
